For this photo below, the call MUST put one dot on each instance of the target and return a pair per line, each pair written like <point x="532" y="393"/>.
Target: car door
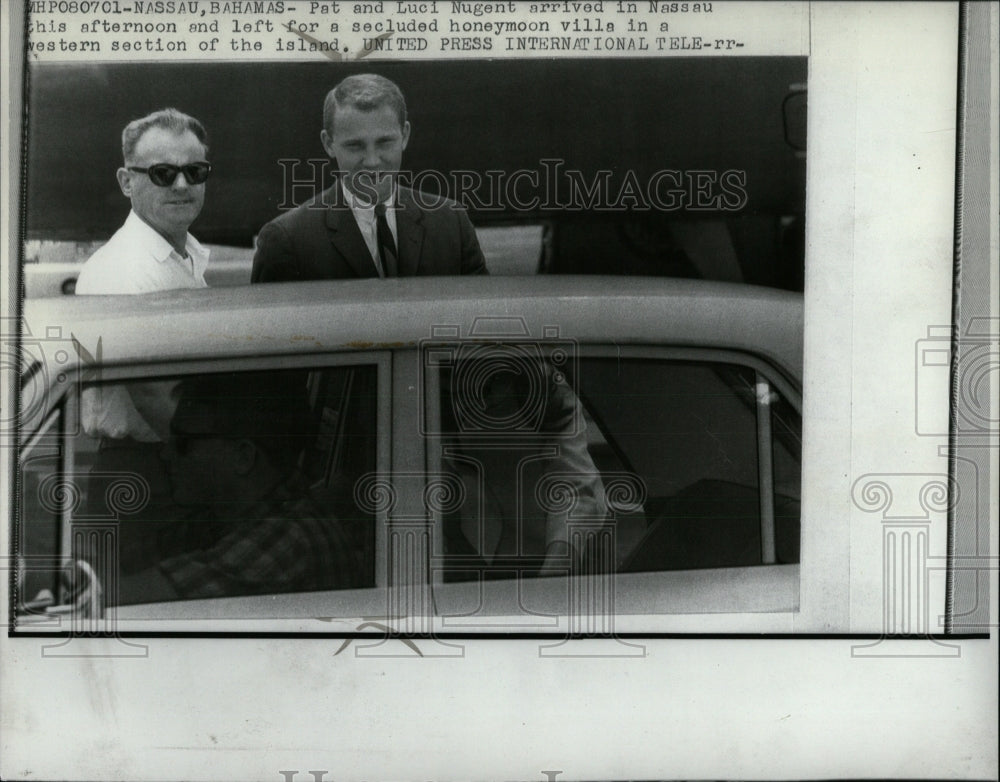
<point x="697" y="452"/>
<point x="95" y="510"/>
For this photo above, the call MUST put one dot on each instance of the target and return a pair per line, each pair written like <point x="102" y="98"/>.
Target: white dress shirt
<point x="364" y="216"/>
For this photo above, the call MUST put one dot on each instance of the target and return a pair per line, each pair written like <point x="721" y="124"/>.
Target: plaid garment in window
<point x="285" y="543"/>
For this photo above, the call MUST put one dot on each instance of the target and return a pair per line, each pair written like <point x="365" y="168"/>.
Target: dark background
<point x="642" y="115"/>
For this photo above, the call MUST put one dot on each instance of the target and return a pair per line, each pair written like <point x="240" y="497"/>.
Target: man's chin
<point x="186" y="210"/>
<point x="173" y="217"/>
<point x="370" y="190"/>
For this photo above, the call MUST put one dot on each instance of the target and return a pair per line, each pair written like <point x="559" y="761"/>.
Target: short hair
<point x="366" y="92"/>
<point x="269" y="408"/>
<point x="168" y="119"/>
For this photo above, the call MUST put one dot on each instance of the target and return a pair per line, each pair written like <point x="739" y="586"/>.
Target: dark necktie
<point x="386" y="245"/>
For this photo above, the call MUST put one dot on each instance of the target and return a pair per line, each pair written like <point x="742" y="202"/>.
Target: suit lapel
<point x="346" y="236"/>
<point x="409" y="232"/>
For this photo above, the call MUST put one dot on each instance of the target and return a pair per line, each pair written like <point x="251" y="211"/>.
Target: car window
<point x="690" y="431"/>
<point x="38" y="529"/>
<point x="691" y="463"/>
<point x="511" y="443"/>
<point x="212" y="485"/>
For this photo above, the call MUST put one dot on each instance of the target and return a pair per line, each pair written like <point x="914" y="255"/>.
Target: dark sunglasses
<point x="164" y="174"/>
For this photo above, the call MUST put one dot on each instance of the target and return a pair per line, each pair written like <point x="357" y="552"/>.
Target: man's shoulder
<point x="427" y="202"/>
<point x="112" y="266"/>
<point x="117" y="245"/>
<point x="310" y="212"/>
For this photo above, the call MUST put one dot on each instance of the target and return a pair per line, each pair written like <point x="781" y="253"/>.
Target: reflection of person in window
<point x="253" y="528"/>
<point x="511" y="517"/>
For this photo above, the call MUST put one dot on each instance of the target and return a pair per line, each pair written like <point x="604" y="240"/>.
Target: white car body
<point x="384" y="323"/>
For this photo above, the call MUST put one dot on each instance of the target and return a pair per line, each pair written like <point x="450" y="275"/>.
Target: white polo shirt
<point x="138" y="260"/>
<point x="135" y="260"/>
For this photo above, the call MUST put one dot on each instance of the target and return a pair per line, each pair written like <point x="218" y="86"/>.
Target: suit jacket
<point x="320" y="240"/>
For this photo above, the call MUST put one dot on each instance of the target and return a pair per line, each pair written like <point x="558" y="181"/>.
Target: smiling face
<point x="368" y="147"/>
<point x="169" y="210"/>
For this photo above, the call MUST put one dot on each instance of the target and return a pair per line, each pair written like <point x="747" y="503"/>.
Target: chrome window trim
<point x="48" y="436"/>
<point x="772" y="588"/>
<point x="765" y="469"/>
<point x="769" y="590"/>
<point x="67" y="408"/>
<point x="661" y="602"/>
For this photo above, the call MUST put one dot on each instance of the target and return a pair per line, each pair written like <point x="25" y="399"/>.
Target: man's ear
<point x="406" y="133"/>
<point x="327" y="140"/>
<point x="246" y="456"/>
<point x="125" y="181"/>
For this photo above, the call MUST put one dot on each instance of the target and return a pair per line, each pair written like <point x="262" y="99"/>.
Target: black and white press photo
<point x="607" y="350"/>
<point x="515" y="390"/>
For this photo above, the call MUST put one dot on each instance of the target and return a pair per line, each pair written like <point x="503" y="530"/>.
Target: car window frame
<point x="768" y="589"/>
<point x="763" y="373"/>
<point x="67" y="408"/>
<point x="50" y="434"/>
<point x="768" y="595"/>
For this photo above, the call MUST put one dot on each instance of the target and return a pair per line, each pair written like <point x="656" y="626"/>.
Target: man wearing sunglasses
<point x="164" y="173"/>
<point x="367" y="224"/>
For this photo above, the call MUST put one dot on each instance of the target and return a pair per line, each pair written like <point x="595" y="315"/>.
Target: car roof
<point x="310" y="317"/>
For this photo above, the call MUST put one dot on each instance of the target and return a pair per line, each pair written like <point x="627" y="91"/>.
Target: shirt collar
<point x="147" y="236"/>
<point x="359" y="207"/>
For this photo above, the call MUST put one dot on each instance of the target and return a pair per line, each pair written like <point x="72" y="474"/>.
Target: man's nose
<point x="180" y="182"/>
<point x="371" y="158"/>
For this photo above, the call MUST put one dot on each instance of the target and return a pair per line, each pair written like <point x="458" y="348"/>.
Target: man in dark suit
<point x="366" y="224"/>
